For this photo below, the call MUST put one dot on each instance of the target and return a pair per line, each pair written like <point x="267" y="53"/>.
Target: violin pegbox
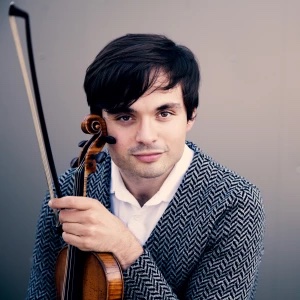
<point x="91" y="152"/>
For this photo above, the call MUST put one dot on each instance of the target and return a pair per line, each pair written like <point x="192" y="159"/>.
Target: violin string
<point x="70" y="267"/>
<point x="33" y="108"/>
<point x="71" y="257"/>
<point x="63" y="292"/>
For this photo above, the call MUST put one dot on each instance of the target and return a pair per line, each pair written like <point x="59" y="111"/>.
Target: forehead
<point x="157" y="89"/>
<point x="158" y="80"/>
<point x="159" y="97"/>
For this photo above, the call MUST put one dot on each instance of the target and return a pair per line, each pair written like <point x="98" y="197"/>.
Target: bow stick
<point x="35" y="102"/>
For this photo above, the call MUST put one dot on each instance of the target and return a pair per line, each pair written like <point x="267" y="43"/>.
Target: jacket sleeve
<point x="228" y="268"/>
<point x="47" y="246"/>
<point x="48" y="243"/>
<point x="143" y="280"/>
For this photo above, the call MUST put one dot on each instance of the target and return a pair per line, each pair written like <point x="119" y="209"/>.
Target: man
<point x="181" y="225"/>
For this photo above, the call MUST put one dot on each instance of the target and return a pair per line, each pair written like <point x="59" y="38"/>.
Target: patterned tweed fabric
<point x="207" y="245"/>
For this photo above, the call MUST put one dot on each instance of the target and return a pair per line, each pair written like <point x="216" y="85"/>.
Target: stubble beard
<point x="145" y="170"/>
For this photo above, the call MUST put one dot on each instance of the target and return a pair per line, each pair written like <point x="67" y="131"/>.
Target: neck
<point x="143" y="189"/>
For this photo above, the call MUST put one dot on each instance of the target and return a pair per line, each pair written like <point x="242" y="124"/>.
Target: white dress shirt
<point x="142" y="220"/>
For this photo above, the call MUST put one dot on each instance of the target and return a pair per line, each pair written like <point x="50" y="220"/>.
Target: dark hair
<point x="128" y="67"/>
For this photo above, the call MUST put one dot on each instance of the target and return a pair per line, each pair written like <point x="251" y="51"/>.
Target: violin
<point x="79" y="275"/>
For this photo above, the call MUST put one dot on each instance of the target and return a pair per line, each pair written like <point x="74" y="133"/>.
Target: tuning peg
<point x="110" y="140"/>
<point x="82" y="143"/>
<point x="74" y="162"/>
<point x="100" y="157"/>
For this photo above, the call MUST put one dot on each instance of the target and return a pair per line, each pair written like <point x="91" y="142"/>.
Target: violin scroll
<point x="91" y="150"/>
<point x="94" y="124"/>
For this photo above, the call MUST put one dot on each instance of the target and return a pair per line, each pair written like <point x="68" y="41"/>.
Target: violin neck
<point x="75" y="260"/>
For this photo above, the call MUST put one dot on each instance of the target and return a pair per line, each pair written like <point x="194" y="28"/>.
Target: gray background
<point x="249" y="53"/>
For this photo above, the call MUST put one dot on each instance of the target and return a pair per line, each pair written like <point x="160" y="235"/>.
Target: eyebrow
<point x="128" y="110"/>
<point x="168" y="106"/>
<point x="115" y="111"/>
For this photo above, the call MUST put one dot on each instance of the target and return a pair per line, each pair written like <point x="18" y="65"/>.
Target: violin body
<point x="101" y="276"/>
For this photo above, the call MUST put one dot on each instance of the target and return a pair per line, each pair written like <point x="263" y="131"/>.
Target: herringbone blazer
<point x="208" y="244"/>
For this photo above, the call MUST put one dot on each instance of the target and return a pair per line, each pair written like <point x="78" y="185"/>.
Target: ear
<point x="191" y="122"/>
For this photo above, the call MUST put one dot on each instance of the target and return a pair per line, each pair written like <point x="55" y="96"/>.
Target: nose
<point x="147" y="132"/>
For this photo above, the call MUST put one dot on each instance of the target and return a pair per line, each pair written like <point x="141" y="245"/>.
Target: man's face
<point x="150" y="134"/>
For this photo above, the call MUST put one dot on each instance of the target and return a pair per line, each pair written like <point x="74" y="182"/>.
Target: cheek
<point x="177" y="132"/>
<point x="119" y="149"/>
<point x="121" y="142"/>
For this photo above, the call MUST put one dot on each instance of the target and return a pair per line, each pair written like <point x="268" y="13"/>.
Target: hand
<point x="89" y="226"/>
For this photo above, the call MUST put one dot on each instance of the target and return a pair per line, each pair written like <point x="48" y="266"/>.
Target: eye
<point x="123" y="118"/>
<point x="165" y="114"/>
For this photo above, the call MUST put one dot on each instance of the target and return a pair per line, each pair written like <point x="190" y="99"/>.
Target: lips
<point x="148" y="157"/>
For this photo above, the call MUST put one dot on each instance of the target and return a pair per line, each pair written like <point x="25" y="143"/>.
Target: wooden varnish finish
<point x="100" y="279"/>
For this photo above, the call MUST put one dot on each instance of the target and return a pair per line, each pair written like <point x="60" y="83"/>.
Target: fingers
<point x="79" y="235"/>
<point x="72" y="202"/>
<point x="80" y="242"/>
<point x="73" y="229"/>
<point x="89" y="226"/>
<point x="92" y="216"/>
<point x="86" y="238"/>
<point x="72" y="216"/>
